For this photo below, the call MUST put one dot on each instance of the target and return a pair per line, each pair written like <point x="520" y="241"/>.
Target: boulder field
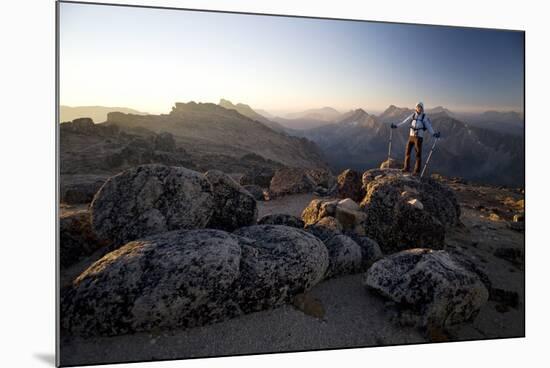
<point x="397" y="211"/>
<point x="188" y="249"/>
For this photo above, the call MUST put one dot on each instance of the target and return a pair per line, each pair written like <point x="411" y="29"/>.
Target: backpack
<point x="415" y="118"/>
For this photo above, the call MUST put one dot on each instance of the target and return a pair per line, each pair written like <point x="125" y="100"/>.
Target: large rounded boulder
<point x="151" y="199"/>
<point x="370" y="250"/>
<point x="234" y="206"/>
<point x="430" y="285"/>
<point x="281" y="219"/>
<point x="405" y="212"/>
<point x="345" y="256"/>
<point x="179" y="278"/>
<point x="278" y="262"/>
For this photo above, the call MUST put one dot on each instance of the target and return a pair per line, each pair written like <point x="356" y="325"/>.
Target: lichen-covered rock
<point x="347" y="212"/>
<point x="350" y="186"/>
<point x="325" y="228"/>
<point x="151" y="199"/>
<point x="391" y="163"/>
<point x="278" y="262"/>
<point x="407" y="212"/>
<point x="234" y="207"/>
<point x="76" y="238"/>
<point x="291" y="180"/>
<point x="321" y="178"/>
<point x="344" y="254"/>
<point x="370" y="250"/>
<point x="179" y="278"/>
<point x="256" y="192"/>
<point x="317" y="209"/>
<point x="434" y="287"/>
<point x="281" y="219"/>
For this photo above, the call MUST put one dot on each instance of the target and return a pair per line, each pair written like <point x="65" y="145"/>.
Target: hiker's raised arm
<point x="407" y="120"/>
<point x="428" y="124"/>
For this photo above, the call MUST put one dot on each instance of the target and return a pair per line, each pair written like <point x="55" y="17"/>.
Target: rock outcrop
<point x="234" y="207"/>
<point x="433" y="289"/>
<point x="391" y="163"/>
<point x="151" y="199"/>
<point x="407" y="212"/>
<point x="281" y="219"/>
<point x="290" y="180"/>
<point x="350" y="186"/>
<point x="76" y="238"/>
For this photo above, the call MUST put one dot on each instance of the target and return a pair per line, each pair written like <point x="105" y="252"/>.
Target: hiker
<point x="419" y="122"/>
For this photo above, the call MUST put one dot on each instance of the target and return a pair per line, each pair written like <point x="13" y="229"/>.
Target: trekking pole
<point x="429" y="156"/>
<point x="389" y="148"/>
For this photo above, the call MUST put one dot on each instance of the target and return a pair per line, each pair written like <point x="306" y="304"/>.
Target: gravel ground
<point x="353" y="318"/>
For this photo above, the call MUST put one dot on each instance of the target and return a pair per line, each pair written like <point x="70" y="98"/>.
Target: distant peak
<point x="360" y="111"/>
<point x="392" y="109"/>
<point x="223" y="101"/>
<point x="194" y="106"/>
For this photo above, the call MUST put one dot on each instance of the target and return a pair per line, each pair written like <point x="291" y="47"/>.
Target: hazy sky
<point x="148" y="59"/>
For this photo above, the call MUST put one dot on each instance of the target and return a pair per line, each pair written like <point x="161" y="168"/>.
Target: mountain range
<point x="247" y="111"/>
<point x="360" y="141"/>
<point x="212" y="128"/>
<point x="97" y="113"/>
<point x="220" y="135"/>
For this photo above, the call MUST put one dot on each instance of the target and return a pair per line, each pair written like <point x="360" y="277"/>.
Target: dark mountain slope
<point x="214" y="125"/>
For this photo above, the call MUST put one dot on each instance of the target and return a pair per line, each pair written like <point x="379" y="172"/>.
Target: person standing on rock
<point x="419" y="123"/>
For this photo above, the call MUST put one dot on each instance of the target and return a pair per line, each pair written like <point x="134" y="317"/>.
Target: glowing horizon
<point x="148" y="59"/>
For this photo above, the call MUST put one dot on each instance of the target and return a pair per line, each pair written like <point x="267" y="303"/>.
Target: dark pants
<point x="417" y="143"/>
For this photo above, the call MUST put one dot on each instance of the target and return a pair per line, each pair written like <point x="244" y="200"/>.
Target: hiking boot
<point x="403" y="170"/>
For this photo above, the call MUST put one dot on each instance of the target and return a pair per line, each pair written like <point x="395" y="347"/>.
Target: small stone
<point x="416" y="203"/>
